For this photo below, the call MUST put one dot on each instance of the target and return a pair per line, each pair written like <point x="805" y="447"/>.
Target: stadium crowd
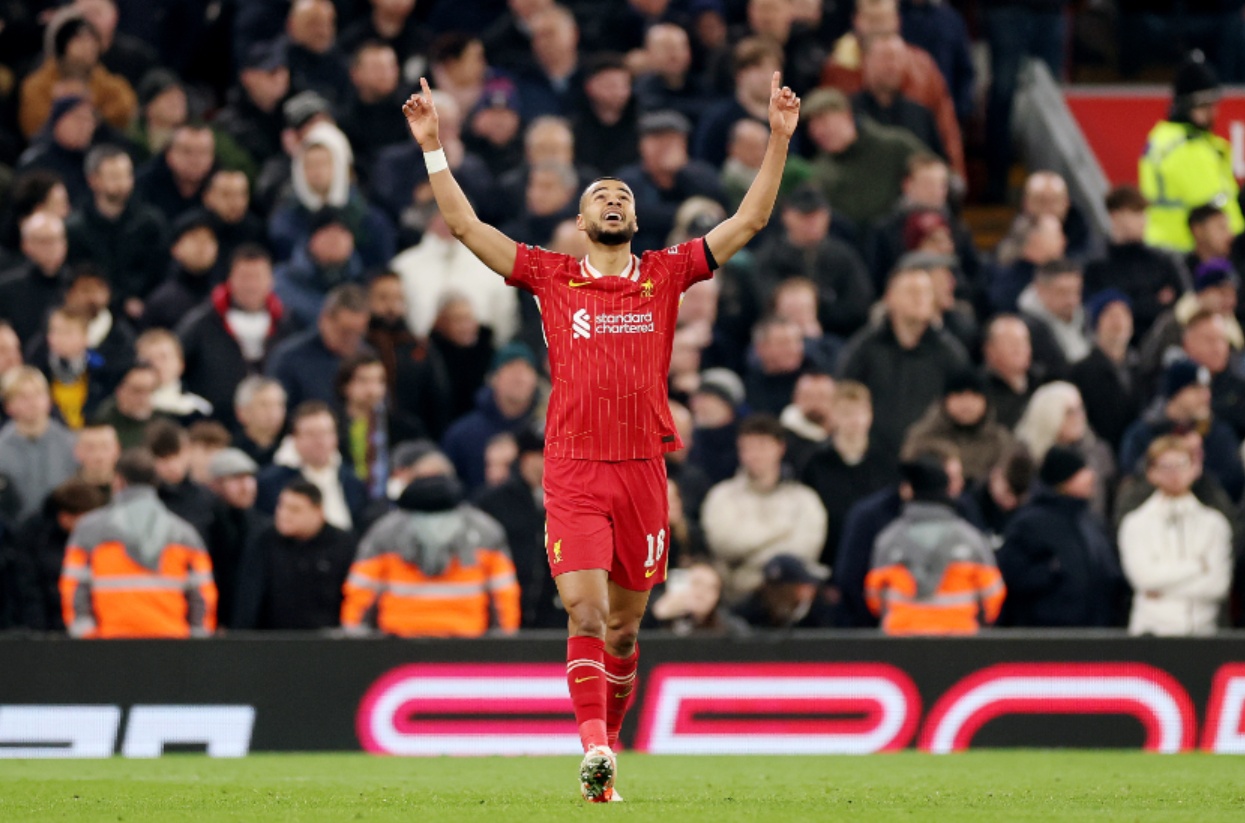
<point x="251" y="381"/>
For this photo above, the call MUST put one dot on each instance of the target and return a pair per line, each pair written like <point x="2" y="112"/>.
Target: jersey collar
<point x="632" y="272"/>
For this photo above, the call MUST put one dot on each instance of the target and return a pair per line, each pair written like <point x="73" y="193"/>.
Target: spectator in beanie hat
<point x="1057" y="559"/>
<point x="1186" y="402"/>
<point x="963" y="416"/>
<point x="1215" y="284"/>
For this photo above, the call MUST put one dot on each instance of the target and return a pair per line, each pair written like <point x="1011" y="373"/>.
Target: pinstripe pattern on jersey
<point x="609" y="399"/>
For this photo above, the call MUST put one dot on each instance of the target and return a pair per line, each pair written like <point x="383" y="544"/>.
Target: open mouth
<point x="612" y="216"/>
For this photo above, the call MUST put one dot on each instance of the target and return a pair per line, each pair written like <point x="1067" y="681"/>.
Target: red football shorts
<point x="611" y="515"/>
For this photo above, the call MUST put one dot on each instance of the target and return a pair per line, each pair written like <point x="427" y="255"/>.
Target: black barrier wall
<point x="815" y="694"/>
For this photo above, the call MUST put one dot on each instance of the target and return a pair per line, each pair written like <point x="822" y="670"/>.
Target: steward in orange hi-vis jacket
<point x="435" y="567"/>
<point x="933" y="573"/>
<point x="134" y="569"/>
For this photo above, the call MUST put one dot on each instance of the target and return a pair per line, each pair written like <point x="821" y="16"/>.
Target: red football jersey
<point x="609" y="348"/>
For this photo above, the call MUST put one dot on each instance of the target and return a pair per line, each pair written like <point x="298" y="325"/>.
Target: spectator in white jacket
<point x="759" y="513"/>
<point x="1176" y="551"/>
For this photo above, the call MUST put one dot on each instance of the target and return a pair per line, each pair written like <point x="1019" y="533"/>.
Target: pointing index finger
<point x="426" y="92"/>
<point x="774" y="81"/>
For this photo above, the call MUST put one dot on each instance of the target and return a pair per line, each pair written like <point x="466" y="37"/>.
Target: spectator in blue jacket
<point x="506" y="403"/>
<point x="1186" y="405"/>
<point x="307" y="362"/>
<point x="1057" y="559"/>
<point x="328" y="260"/>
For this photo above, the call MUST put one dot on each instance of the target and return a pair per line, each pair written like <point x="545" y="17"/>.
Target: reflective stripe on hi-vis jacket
<point x="968" y="594"/>
<point x="464" y="601"/>
<point x="132" y="569"/>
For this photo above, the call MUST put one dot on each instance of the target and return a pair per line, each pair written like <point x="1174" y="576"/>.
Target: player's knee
<point x="586" y="619"/>
<point x="621" y="635"/>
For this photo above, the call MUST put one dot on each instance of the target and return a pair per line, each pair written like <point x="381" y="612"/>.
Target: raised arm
<point x="733" y="233"/>
<point x="495" y="250"/>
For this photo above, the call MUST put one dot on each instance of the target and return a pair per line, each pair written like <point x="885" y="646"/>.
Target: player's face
<point x="607" y="213"/>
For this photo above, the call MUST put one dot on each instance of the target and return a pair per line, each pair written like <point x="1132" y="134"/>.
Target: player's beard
<point x="611" y="237"/>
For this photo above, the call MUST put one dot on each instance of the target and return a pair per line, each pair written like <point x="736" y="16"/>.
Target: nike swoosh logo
<point x="624" y="694"/>
<point x="575" y="285"/>
<point x="650" y="572"/>
<point x="585" y="679"/>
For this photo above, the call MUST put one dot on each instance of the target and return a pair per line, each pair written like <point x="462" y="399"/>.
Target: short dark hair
<point x="1057" y="268"/>
<point x="604" y="61"/>
<point x="164" y="438"/>
<point x="29" y="190"/>
<point x="309" y="408"/>
<point x="1126" y="198"/>
<point x="1200" y="214"/>
<point x="246" y="252"/>
<point x="763" y="424"/>
<point x="450" y="46"/>
<point x="307" y="489"/>
<point x="76" y="496"/>
<point x="1018" y="469"/>
<point x="350" y="365"/>
<point x="371" y="44"/>
<point x="137" y="467"/>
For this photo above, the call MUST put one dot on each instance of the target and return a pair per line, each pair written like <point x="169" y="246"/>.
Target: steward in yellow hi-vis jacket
<point x="933" y="573"/>
<point x="434" y="567"/>
<point x="134" y="569"/>
<point x="1185" y="164"/>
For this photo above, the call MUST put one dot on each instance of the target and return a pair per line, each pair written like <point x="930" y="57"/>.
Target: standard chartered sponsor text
<point x="625" y="323"/>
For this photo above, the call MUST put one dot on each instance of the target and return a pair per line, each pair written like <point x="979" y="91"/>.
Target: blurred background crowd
<point x="247" y="368"/>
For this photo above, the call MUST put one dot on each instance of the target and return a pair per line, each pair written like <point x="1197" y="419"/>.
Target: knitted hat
<point x="963" y="380"/>
<point x="514" y="350"/>
<point x="327" y="216"/>
<point x="806" y="200"/>
<point x="1098" y="302"/>
<point x="499" y="93"/>
<point x="1060" y="465"/>
<point x="188" y="222"/>
<point x="62" y="106"/>
<point x="1182" y="374"/>
<point x="264" y="56"/>
<point x="1213" y="272"/>
<point x="723" y="383"/>
<point x="920" y="224"/>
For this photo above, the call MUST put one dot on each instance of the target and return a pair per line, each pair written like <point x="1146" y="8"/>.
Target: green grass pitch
<point x="994" y="786"/>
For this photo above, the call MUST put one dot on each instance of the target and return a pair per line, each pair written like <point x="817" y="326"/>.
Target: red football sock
<point x="585" y="677"/>
<point x="621" y="675"/>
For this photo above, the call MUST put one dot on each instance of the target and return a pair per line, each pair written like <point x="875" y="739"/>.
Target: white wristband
<point x="435" y="161"/>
